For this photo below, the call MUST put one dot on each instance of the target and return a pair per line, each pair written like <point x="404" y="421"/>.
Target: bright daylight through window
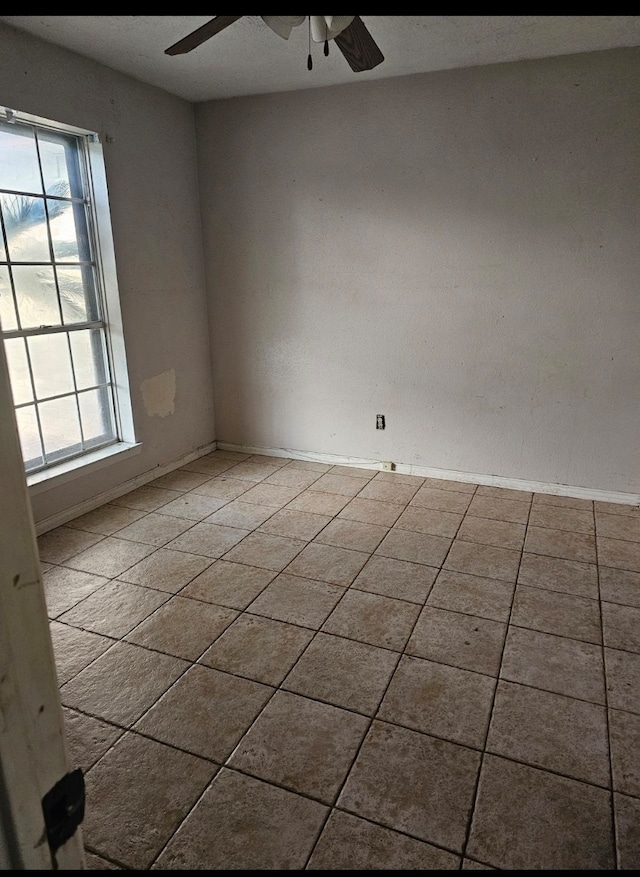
<point x="52" y="306"/>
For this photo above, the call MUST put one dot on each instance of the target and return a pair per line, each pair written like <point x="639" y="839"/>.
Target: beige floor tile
<point x="371" y="511"/>
<point x="413" y="783"/>
<point x="223" y="488"/>
<point x="624" y="731"/>
<point x="449" y="484"/>
<point x="559" y="518"/>
<point x="114" y="609"/>
<point x="245" y="515"/>
<point x="553" y="612"/>
<point x="528" y="819"/>
<point x="297" y="600"/>
<point x="146" y="498"/>
<point x="442" y="500"/>
<point x="349" y="843"/>
<point x="210" y="540"/>
<point x="352" y="534"/>
<point x="623" y="679"/>
<point x="266" y="551"/>
<point x="258" y="648"/>
<point x="110" y="557"/>
<point x="192" y="507"/>
<point x="327" y="563"/>
<point x="184" y="716"/>
<point x="431" y="521"/>
<point x="483" y="560"/>
<point x="121" y="684"/>
<point x="269" y="460"/>
<point x="244" y="824"/>
<point x="348" y="674"/>
<point x="137" y="796"/>
<point x="343" y="485"/>
<point x="621" y="625"/>
<point x="253" y="471"/>
<point x="271" y="495"/>
<point x="166" y="570"/>
<point x="557" y="574"/>
<point x="472" y="595"/>
<point x="58" y="545"/>
<point x="180" y="480"/>
<point x="74" y="649"/>
<point x="354" y="472"/>
<point x="567" y="502"/>
<point x="400" y="478"/>
<point x="502" y="534"/>
<point x="235" y="456"/>
<point x="617" y="508"/>
<point x="388" y="491"/>
<point x="87" y="739"/>
<point x="106" y="520"/>
<point x="229" y="584"/>
<point x="182" y="627"/>
<point x="463" y="641"/>
<point x="499" y="509"/>
<point x="504" y="493"/>
<point x="295" y="525"/>
<point x="620" y="586"/>
<point x="309" y="465"/>
<point x="396" y="578"/>
<point x="627" y="816"/>
<point x="301" y="744"/>
<point x="154" y="529"/>
<point x="554" y="663"/>
<point x="619" y="554"/>
<point x="208" y="466"/>
<point x="64" y="588"/>
<point x="439" y="700"/>
<point x="317" y="503"/>
<point x="561" y="543"/>
<point x="550" y="731"/>
<point x="298" y="478"/>
<point x="370" y="618"/>
<point x="414" y="547"/>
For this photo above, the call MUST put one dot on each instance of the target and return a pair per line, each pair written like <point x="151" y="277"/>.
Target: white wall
<point x="457" y="250"/>
<point x="149" y="149"/>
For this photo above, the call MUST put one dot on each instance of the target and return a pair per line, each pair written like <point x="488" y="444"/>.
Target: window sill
<point x="71" y="469"/>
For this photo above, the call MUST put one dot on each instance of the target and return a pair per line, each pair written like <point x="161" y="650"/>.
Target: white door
<point x="32" y="749"/>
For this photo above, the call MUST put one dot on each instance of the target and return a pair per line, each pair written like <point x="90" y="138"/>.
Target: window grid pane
<point x="47" y="262"/>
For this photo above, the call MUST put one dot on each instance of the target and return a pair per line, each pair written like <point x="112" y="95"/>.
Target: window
<point x="53" y="306"/>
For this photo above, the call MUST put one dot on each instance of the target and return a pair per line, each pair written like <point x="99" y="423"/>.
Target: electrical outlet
<point x="388" y="466"/>
<point x="379" y="421"/>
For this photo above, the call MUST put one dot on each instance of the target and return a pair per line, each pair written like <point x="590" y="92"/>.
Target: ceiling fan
<point x="347" y="31"/>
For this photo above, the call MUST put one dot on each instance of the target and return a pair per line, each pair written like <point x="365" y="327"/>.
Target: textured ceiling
<point x="248" y="58"/>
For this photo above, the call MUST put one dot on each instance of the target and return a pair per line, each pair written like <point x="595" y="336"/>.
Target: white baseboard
<point x="445" y="474"/>
<point x="100" y="499"/>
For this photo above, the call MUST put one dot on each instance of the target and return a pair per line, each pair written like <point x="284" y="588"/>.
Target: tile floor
<point x="270" y="664"/>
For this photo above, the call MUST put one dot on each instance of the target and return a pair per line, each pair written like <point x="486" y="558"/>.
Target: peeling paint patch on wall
<point x="159" y="394"/>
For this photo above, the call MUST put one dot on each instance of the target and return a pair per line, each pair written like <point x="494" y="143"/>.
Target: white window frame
<point x="107" y="290"/>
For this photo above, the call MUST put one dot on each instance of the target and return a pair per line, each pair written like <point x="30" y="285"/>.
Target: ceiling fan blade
<point x="193" y="40"/>
<point x="358" y="47"/>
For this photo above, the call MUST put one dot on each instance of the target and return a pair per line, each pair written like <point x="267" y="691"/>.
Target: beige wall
<point x="149" y="149"/>
<point x="457" y="251"/>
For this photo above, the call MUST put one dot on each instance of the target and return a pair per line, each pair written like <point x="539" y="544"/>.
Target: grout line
<point x="606" y="712"/>
<point x="474" y="799"/>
